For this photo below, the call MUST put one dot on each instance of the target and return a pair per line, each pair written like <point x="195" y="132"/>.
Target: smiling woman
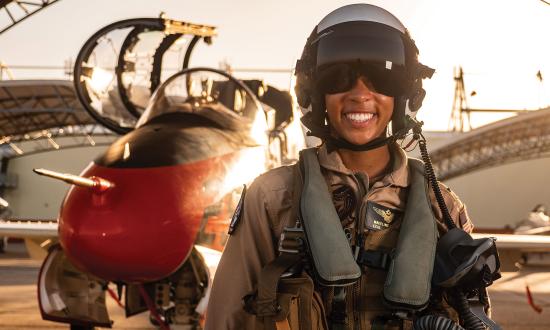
<point x="360" y="114"/>
<point x="295" y="258"/>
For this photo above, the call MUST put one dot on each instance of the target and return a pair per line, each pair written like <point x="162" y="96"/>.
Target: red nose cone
<point x="140" y="230"/>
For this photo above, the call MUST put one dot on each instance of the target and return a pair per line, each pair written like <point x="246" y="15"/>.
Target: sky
<point x="501" y="44"/>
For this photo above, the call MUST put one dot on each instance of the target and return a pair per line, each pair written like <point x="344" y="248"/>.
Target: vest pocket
<point x="301" y="307"/>
<point x="294" y="313"/>
<point x="318" y="316"/>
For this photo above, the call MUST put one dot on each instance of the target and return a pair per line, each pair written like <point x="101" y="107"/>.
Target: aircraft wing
<point x="527" y="243"/>
<point x="28" y="228"/>
<point x="38" y="235"/>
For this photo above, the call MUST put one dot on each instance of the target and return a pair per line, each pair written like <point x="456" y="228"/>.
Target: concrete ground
<point x="18" y="300"/>
<point x="510" y="305"/>
<point x="19" y="307"/>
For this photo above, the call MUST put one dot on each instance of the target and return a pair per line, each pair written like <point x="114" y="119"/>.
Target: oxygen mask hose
<point x="435" y="322"/>
<point x="462" y="306"/>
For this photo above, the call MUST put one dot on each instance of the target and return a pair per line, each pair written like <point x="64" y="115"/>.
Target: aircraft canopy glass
<point x="210" y="93"/>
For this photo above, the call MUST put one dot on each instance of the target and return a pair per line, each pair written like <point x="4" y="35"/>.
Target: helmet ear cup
<point x="399" y="119"/>
<point x="398" y="115"/>
<point x="303" y="86"/>
<point x="417" y="92"/>
<point x="415" y="101"/>
<point x="305" y="68"/>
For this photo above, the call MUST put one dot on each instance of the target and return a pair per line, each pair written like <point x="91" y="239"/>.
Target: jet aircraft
<point x="151" y="214"/>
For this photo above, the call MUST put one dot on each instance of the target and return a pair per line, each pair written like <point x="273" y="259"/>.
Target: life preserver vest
<point x="407" y="284"/>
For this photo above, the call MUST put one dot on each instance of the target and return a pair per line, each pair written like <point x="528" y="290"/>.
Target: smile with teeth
<point x="359" y="117"/>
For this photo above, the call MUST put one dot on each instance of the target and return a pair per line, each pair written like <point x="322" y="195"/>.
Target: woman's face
<point x="360" y="114"/>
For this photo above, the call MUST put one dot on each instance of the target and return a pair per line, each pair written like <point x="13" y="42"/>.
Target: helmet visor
<point x="339" y="78"/>
<point x="383" y="52"/>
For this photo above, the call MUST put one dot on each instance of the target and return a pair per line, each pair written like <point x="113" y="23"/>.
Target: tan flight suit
<point x="266" y="210"/>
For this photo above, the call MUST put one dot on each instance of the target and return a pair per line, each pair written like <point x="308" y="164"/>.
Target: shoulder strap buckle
<point x="292" y="240"/>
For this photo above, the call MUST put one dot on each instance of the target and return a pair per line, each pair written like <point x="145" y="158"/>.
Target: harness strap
<point x="374" y="259"/>
<point x="263" y="303"/>
<point x="338" y="317"/>
<point x="266" y="302"/>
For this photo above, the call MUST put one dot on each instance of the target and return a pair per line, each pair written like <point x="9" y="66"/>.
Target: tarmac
<point x="19" y="306"/>
<point x="18" y="299"/>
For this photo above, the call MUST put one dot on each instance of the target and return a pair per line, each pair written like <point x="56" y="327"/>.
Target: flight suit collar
<point x="399" y="175"/>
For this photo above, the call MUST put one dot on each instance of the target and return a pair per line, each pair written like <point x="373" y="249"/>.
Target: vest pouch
<point x="300" y="307"/>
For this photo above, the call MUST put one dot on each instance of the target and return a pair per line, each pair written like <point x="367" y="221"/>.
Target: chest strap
<point x="376" y="259"/>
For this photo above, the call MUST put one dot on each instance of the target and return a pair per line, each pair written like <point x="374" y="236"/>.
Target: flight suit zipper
<point x="360" y="212"/>
<point x="362" y="183"/>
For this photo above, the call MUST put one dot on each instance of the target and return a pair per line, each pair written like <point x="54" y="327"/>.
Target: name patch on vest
<point x="380" y="217"/>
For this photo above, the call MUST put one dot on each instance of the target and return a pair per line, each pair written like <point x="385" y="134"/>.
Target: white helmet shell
<point x="360" y="12"/>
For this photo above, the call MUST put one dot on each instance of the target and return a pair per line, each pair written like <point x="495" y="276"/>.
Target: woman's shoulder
<point x="273" y="192"/>
<point x="280" y="178"/>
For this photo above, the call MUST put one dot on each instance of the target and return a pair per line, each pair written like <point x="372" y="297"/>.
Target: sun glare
<point x="501" y="47"/>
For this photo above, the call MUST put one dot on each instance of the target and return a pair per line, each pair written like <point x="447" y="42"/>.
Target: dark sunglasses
<point x="340" y="78"/>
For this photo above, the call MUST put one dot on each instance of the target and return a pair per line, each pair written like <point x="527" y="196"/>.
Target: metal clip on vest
<point x="292" y="243"/>
<point x="292" y="240"/>
<point x="374" y="259"/>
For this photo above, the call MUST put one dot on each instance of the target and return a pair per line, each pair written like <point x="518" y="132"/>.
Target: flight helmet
<point x="351" y="41"/>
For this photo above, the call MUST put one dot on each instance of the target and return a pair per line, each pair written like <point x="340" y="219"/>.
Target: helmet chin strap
<point x="337" y="143"/>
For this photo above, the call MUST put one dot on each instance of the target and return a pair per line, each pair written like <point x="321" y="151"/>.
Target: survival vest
<point x="285" y="297"/>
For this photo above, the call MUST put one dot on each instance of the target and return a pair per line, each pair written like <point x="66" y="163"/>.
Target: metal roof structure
<point x="33" y="105"/>
<point x="522" y="137"/>
<point x="15" y="11"/>
<point x="34" y="113"/>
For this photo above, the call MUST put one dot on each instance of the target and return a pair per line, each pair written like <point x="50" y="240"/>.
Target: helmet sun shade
<point x="349" y="50"/>
<point x="339" y="78"/>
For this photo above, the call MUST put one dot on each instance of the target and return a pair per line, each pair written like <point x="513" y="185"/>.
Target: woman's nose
<point x="362" y="90"/>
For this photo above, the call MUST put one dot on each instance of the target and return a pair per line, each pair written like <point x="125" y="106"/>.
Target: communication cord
<point x="430" y="174"/>
<point x="471" y="322"/>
